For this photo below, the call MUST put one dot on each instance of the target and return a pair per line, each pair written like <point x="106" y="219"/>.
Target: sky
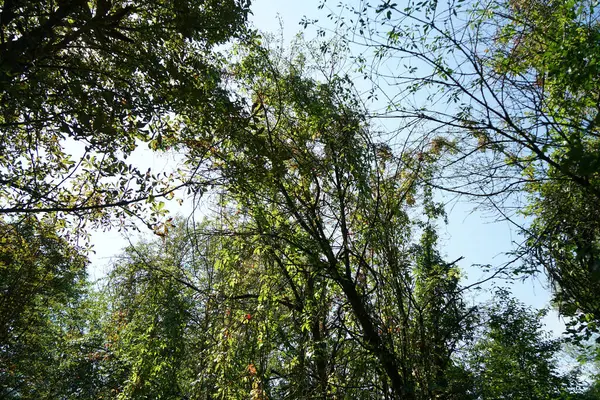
<point x="470" y="233"/>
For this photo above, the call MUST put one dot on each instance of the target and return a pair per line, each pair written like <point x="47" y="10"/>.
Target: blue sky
<point x="469" y="233"/>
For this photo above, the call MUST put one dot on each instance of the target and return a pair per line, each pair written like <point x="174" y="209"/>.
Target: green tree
<point x="175" y="326"/>
<point x="85" y="83"/>
<point x="150" y="317"/>
<point x="512" y="87"/>
<point x="82" y="85"/>
<point x="563" y="56"/>
<point x="331" y="209"/>
<point x="589" y="357"/>
<point x="42" y="278"/>
<point x="514" y="358"/>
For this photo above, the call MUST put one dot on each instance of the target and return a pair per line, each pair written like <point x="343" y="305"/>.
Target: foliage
<point x="85" y="83"/>
<point x="173" y="319"/>
<point x="309" y="280"/>
<point x="150" y="314"/>
<point x="514" y="358"/>
<point x="305" y="185"/>
<point x="512" y="87"/>
<point x="564" y="238"/>
<point x="41" y="280"/>
<point x="589" y="357"/>
<point x="317" y="272"/>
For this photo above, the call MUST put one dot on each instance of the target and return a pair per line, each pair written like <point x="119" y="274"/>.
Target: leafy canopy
<point x="85" y="83"/>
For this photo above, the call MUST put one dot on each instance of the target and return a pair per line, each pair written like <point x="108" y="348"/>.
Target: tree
<point x="514" y="358"/>
<point x="153" y="319"/>
<point x="511" y="88"/>
<point x="308" y="187"/>
<point x="589" y="357"/>
<point x="85" y="83"/>
<point x="175" y="326"/>
<point x="275" y="296"/>
<point x="41" y="281"/>
<point x="563" y="58"/>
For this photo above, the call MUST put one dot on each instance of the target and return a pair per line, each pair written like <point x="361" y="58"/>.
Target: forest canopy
<point x="315" y="266"/>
